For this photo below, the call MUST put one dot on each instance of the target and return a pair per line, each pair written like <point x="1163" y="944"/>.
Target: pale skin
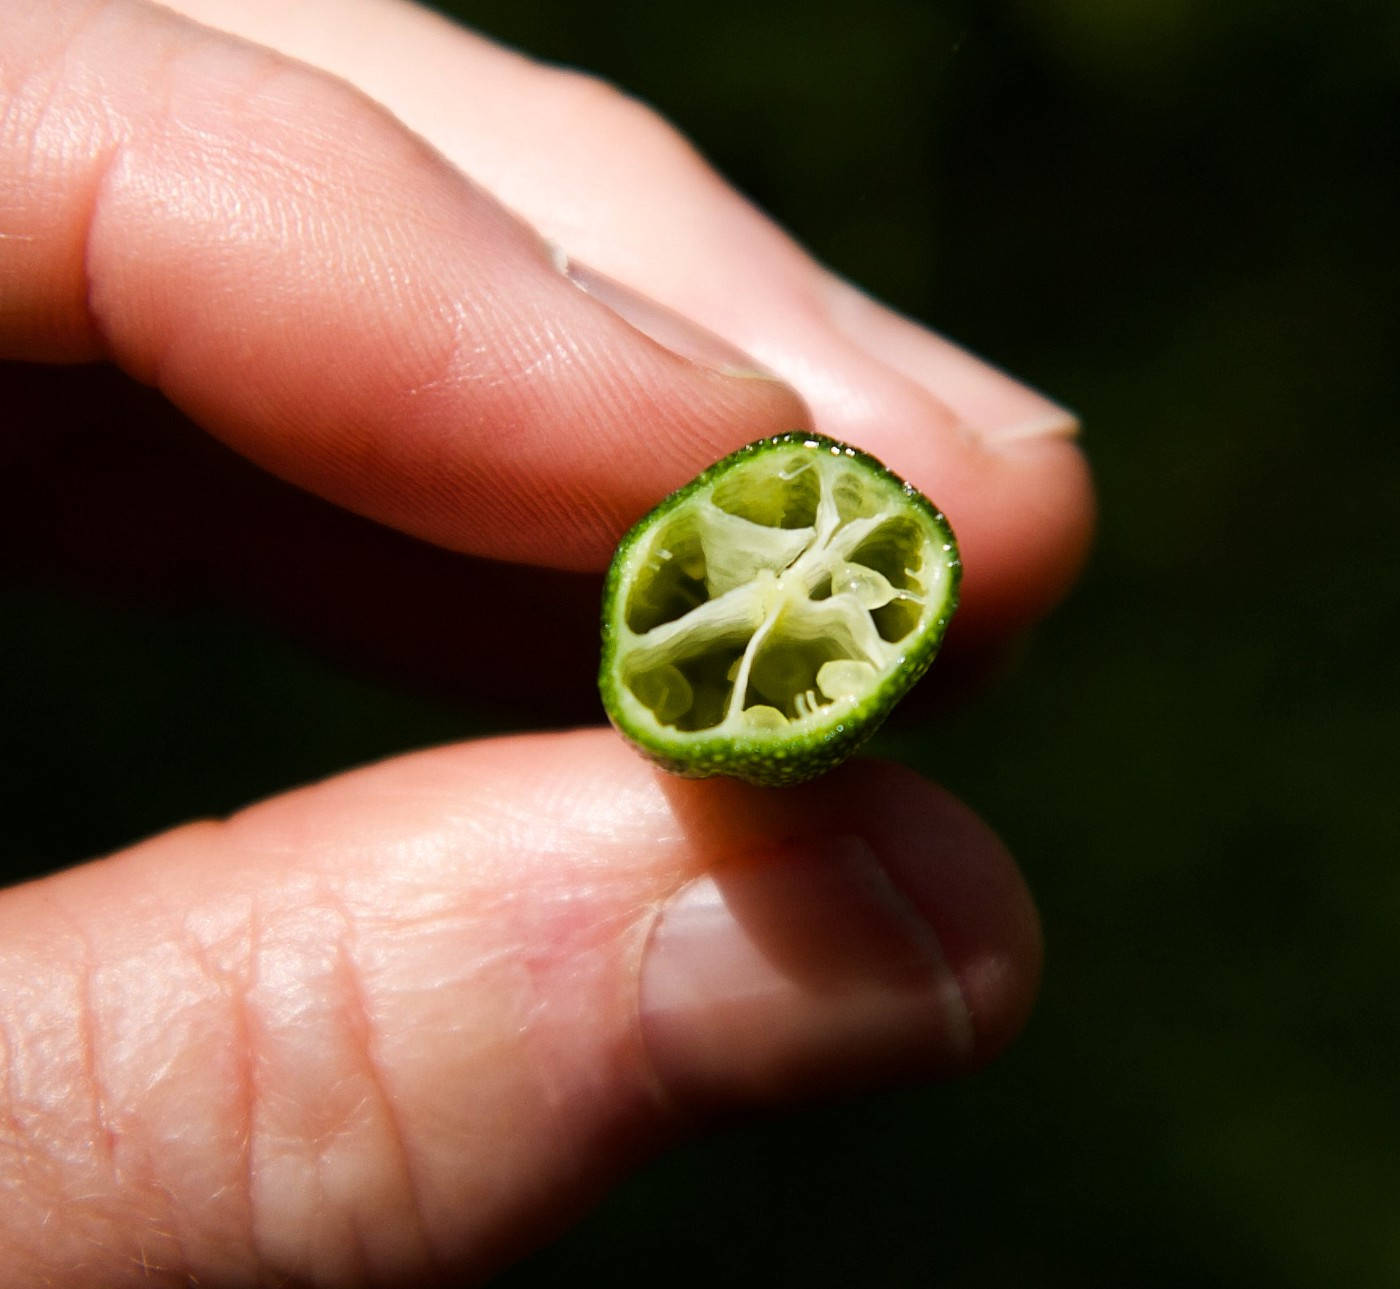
<point x="411" y="1020"/>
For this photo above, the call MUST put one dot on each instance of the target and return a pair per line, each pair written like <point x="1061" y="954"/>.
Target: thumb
<point x="409" y="1021"/>
<point x="315" y="285"/>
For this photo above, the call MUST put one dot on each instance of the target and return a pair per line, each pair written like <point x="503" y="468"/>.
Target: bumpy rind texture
<point x="801" y="755"/>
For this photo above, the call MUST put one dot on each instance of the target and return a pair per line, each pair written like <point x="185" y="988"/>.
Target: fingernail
<point x="1058" y="423"/>
<point x="990" y="405"/>
<point x="669" y="329"/>
<point x="802" y="970"/>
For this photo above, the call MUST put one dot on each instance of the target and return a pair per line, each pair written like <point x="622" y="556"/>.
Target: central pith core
<point x="777" y="595"/>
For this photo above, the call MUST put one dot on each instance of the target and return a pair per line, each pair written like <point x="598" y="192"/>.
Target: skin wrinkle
<point x="104" y="1138"/>
<point x="507" y="968"/>
<point x="361" y="1026"/>
<point x="563" y="917"/>
<point x="266" y="1271"/>
<point x="230" y="988"/>
<point x="167" y="1230"/>
<point x="248" y="1084"/>
<point x="100" y="1136"/>
<point x="234" y="989"/>
<point x="661" y="1097"/>
<point x="9" y="1122"/>
<point x="55" y="57"/>
<point x="101" y="163"/>
<point x="261" y="71"/>
<point x="259" y="1135"/>
<point x="20" y="107"/>
<point x="106" y="169"/>
<point x="85" y="1024"/>
<point x="14" y="1140"/>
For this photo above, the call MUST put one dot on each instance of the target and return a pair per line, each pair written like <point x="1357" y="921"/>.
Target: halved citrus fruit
<point x="763" y="620"/>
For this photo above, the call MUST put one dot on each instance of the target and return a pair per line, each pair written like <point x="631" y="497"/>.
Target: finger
<point x="121" y="496"/>
<point x="617" y="188"/>
<point x="315" y="285"/>
<point x="412" y="1019"/>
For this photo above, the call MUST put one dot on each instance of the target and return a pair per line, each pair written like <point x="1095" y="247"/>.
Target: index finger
<point x="614" y="184"/>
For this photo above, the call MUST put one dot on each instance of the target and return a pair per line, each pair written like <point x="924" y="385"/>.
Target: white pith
<point x="760" y="581"/>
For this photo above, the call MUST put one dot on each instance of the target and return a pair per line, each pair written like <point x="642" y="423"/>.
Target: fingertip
<point x="1005" y="465"/>
<point x="960" y="875"/>
<point x="859" y="931"/>
<point x="1024" y="521"/>
<point x="999" y="458"/>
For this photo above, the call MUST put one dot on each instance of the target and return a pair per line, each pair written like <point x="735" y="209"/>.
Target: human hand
<point x="411" y="1019"/>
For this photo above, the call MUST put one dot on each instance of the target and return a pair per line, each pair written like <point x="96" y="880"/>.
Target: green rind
<point x="801" y="756"/>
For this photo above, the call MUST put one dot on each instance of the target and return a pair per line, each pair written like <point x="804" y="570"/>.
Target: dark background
<point x="1180" y="219"/>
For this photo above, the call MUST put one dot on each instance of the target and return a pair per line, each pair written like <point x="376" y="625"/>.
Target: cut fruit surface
<point x="762" y="621"/>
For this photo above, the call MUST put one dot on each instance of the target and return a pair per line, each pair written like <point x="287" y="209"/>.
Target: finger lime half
<point x="762" y="621"/>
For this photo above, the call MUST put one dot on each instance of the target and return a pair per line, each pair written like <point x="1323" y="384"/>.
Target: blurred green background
<point x="1179" y="218"/>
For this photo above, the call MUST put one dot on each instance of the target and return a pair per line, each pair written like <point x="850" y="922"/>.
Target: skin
<point x="409" y="1021"/>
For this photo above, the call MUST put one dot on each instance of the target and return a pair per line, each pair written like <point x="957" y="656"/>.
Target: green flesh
<point x="769" y="614"/>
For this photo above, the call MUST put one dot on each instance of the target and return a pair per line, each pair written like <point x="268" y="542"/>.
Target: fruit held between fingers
<point x="762" y="621"/>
